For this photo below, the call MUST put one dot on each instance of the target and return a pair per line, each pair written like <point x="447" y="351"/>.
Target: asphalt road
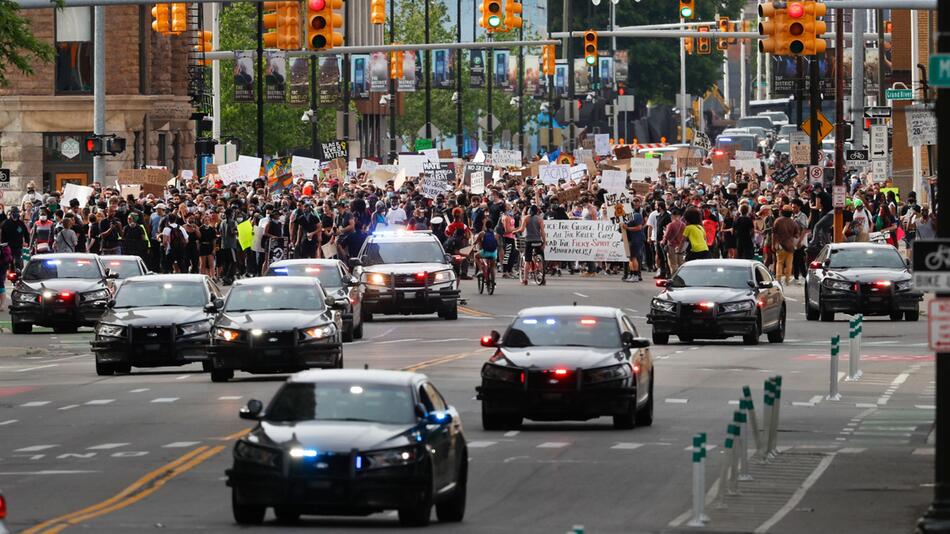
<point x="149" y="450"/>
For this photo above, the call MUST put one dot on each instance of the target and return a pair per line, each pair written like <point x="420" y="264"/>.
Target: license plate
<point x="273" y="352"/>
<point x="60" y="311"/>
<point x="152" y="347"/>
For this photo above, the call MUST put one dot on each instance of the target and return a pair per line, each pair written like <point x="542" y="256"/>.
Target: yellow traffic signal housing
<point x="774" y="29"/>
<point x="723" y="25"/>
<point x="493" y="15"/>
<point x="162" y="15"/>
<point x="590" y="47"/>
<point x="205" y="44"/>
<point x="322" y="20"/>
<point x="687" y="9"/>
<point x="688" y="45"/>
<point x="396" y="60"/>
<point x="513" y="15"/>
<point x="805" y="29"/>
<point x="285" y="23"/>
<point x="548" y="60"/>
<point x="377" y="12"/>
<point x="703" y="46"/>
<point x="270" y="24"/>
<point x="179" y="18"/>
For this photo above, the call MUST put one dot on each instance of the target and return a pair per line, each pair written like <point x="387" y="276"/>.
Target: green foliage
<point x="18" y="46"/>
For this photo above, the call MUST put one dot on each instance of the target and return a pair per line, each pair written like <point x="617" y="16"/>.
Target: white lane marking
<point x="230" y="397"/>
<point x="99" y="402"/>
<point x="512" y="433"/>
<point x="925" y="406"/>
<point x="631" y="310"/>
<point x="165" y="399"/>
<point x="816" y="399"/>
<point x="384" y="334"/>
<point x="139" y="390"/>
<point x="33" y="404"/>
<point x="35" y="368"/>
<point x="676" y="401"/>
<point x="790" y="299"/>
<point x="182" y="377"/>
<point x="36" y="448"/>
<point x="449" y="340"/>
<point x="901" y="378"/>
<point x="733" y="403"/>
<point x="67" y="358"/>
<point x="8" y="422"/>
<point x="627" y="446"/>
<point x="47" y="472"/>
<point x="107" y="446"/>
<point x="797" y="496"/>
<point x="852" y="450"/>
<point x="865" y="405"/>
<point x="930" y="451"/>
<point x="397" y="341"/>
<point x="883" y="434"/>
<point x="553" y="445"/>
<point x="581" y="295"/>
<point x="68" y="407"/>
<point x="180" y="444"/>
<point x="481" y="444"/>
<point x="808" y="404"/>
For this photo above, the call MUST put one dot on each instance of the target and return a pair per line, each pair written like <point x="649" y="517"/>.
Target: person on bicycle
<point x="532" y="224"/>
<point x="486" y="246"/>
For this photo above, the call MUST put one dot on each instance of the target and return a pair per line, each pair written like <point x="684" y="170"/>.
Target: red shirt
<point x="454" y="227"/>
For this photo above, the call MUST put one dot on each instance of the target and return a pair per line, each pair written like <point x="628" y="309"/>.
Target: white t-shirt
<point x="396" y="216"/>
<point x="167" y="232"/>
<point x="862" y="221"/>
<point x="651" y="222"/>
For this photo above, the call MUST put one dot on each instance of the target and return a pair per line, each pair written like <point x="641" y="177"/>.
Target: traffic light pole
<point x="99" y="90"/>
<point x="815" y="103"/>
<point x="459" y="138"/>
<point x="568" y="26"/>
<point x="490" y="81"/>
<point x="392" y="87"/>
<point x="521" y="143"/>
<point x="682" y="102"/>
<point x="551" y="93"/>
<point x="260" y="80"/>
<point x="839" y="118"/>
<point x="346" y="77"/>
<point x="428" y="77"/>
<point x="314" y="97"/>
<point x="799" y="90"/>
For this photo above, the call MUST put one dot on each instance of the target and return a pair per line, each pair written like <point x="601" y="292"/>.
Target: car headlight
<point x="318" y="332"/>
<point x="837" y="285"/>
<point x="25" y="297"/>
<point x="109" y="330"/>
<point x="501" y="373"/>
<point x="603" y="374"/>
<point x="906" y="285"/>
<point x="443" y="276"/>
<point x="99" y="294"/>
<point x="197" y="327"/>
<point x="736" y="307"/>
<point x="226" y="334"/>
<point x="375" y="279"/>
<point x="663" y="305"/>
<point x="259" y="455"/>
<point x="387" y="458"/>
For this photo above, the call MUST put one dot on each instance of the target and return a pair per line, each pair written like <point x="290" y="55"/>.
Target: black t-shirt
<point x="13" y="233"/>
<point x="208" y="235"/>
<point x="307" y="222"/>
<point x="495" y="210"/>
<point x="743" y="229"/>
<point x="108" y="238"/>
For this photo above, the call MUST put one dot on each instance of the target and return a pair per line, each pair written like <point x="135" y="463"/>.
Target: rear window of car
<point x="124" y="268"/>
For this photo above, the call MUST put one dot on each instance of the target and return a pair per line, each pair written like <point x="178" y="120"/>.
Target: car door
<point x="815" y="276"/>
<point x="769" y="295"/>
<point x="456" y="439"/>
<point x="438" y="437"/>
<point x="640" y="359"/>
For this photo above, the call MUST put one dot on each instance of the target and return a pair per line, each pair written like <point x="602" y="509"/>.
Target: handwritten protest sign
<point x="577" y="240"/>
<point x="78" y="192"/>
<point x="552" y="174"/>
<point x="412" y="163"/>
<point x="613" y="181"/>
<point x="333" y="150"/>
<point x="642" y="168"/>
<point x="304" y="168"/>
<point x="602" y="144"/>
<point x="476" y="174"/>
<point x="506" y="158"/>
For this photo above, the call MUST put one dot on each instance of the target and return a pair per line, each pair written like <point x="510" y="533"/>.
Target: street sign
<point x="799" y="148"/>
<point x="4" y="178"/>
<point x="838" y="194"/>
<point x="877" y="112"/>
<point x="879" y="169"/>
<point x="921" y="127"/>
<point x="857" y="157"/>
<point x="931" y="263"/>
<point x="484" y="122"/>
<point x="939" y="70"/>
<point x="938" y="325"/>
<point x="816" y="172"/>
<point x="434" y="131"/>
<point x="899" y="94"/>
<point x="878" y="141"/>
<point x="824" y="126"/>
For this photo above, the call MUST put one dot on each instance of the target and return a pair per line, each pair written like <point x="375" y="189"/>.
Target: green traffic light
<point x="494" y="21"/>
<point x="686" y="12"/>
<point x="590" y="60"/>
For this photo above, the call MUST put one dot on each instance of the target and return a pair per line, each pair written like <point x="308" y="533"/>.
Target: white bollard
<point x="722" y="489"/>
<point x="769" y="401"/>
<point x="741" y="418"/>
<point x="776" y="412"/>
<point x="833" y="394"/>
<point x="734" y="460"/>
<point x="699" y="484"/>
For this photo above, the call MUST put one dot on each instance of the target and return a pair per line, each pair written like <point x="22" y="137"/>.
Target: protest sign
<point x="399" y="179"/>
<point x="130" y="189"/>
<point x="602" y="144"/>
<point x="746" y="165"/>
<point x="379" y="177"/>
<point x="623" y="152"/>
<point x="431" y="154"/>
<point x="152" y="180"/>
<point x="477" y="172"/>
<point x="412" y="163"/>
<point x="613" y="181"/>
<point x="569" y="195"/>
<point x="745" y="154"/>
<point x="578" y="172"/>
<point x="506" y="158"/>
<point x="552" y="174"/>
<point x="617" y="206"/>
<point x="642" y="168"/>
<point x="278" y="173"/>
<point x="577" y="240"/>
<point x="78" y="192"/>
<point x="333" y="150"/>
<point x="245" y="234"/>
<point x="580" y="154"/>
<point x="368" y="165"/>
<point x="435" y="184"/>
<point x="304" y="168"/>
<point x="705" y="175"/>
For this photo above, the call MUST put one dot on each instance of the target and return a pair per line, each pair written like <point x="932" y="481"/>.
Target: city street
<point x="149" y="450"/>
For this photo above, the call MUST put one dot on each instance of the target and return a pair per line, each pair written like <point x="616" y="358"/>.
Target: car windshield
<point x="868" y="258"/>
<point x="296" y="402"/>
<point x="781" y="147"/>
<point x="787" y="130"/>
<point x="329" y="275"/>
<point x="776" y="116"/>
<point x="712" y="276"/>
<point x="274" y="297"/>
<point x="762" y="122"/>
<point x="402" y="252"/>
<point x="736" y="142"/>
<point x="563" y="331"/>
<point x="61" y="268"/>
<point x="124" y="268"/>
<point x="142" y="294"/>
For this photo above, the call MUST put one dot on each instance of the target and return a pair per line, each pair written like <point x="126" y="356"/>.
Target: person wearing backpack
<point x="487" y="245"/>
<point x="175" y="240"/>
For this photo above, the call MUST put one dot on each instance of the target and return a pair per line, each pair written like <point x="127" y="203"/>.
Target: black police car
<point x="123" y="267"/>
<point x="337" y="282"/>
<point x="717" y="299"/>
<point x="406" y="273"/>
<point x="62" y="291"/>
<point x="345" y="442"/>
<point x="567" y="363"/>
<point x="155" y="321"/>
<point x="275" y="325"/>
<point x="866" y="278"/>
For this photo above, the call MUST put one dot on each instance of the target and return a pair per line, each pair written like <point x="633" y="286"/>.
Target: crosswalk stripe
<point x="33" y="404"/>
<point x="35" y="448"/>
<point x="553" y="445"/>
<point x="627" y="446"/>
<point x="165" y="399"/>
<point x="925" y="451"/>
<point x="99" y="402"/>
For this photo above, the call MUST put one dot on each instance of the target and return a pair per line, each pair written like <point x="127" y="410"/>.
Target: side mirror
<point x="907" y="262"/>
<point x="491" y="340"/>
<point x="765" y="285"/>
<point x="420" y="410"/>
<point x="111" y="275"/>
<point x="438" y="417"/>
<point x="353" y="281"/>
<point x="337" y="304"/>
<point x="252" y="411"/>
<point x="214" y="306"/>
<point x="110" y="303"/>
<point x="354" y="262"/>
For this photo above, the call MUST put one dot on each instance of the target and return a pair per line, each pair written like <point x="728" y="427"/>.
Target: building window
<point x="162" y="145"/>
<point x="74" y="50"/>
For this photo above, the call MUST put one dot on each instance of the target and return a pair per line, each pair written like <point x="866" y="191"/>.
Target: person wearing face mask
<point x="14" y="233"/>
<point x="30" y="194"/>
<point x="42" y="235"/>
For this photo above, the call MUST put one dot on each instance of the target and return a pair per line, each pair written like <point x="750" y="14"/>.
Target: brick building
<point x="44" y="117"/>
<point x="902" y="67"/>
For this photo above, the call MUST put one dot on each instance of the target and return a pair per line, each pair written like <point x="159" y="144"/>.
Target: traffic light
<point x="688" y="45"/>
<point x="95" y="145"/>
<point x="775" y="41"/>
<point x="703" y="47"/>
<point x="590" y="47"/>
<point x="115" y="145"/>
<point x="101" y="145"/>
<point x="377" y="12"/>
<point x="284" y="19"/>
<point x="548" y="60"/>
<point x="396" y="59"/>
<point x="270" y="24"/>
<point x="804" y="29"/>
<point x="322" y="19"/>
<point x="723" y="25"/>
<point x="205" y="45"/>
<point x="162" y="15"/>
<point x="687" y="9"/>
<point x="492" y="15"/>
<point x="179" y="19"/>
<point x="513" y="15"/>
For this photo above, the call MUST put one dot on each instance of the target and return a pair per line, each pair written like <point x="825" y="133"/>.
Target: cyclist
<point x="532" y="224"/>
<point x="486" y="244"/>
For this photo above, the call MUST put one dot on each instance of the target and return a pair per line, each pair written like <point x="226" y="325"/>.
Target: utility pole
<point x="428" y="76"/>
<point x="99" y="90"/>
<point x="568" y="24"/>
<point x="858" y="20"/>
<point x="260" y="79"/>
<point x="839" y="117"/>
<point x="314" y="103"/>
<point x="814" y="104"/>
<point x="346" y="77"/>
<point x="682" y="102"/>
<point x="743" y="73"/>
<point x="799" y="91"/>
<point x="215" y="72"/>
<point x="521" y="143"/>
<point x="392" y="87"/>
<point x="918" y="164"/>
<point x="490" y="81"/>
<point x="881" y="101"/>
<point x="459" y="139"/>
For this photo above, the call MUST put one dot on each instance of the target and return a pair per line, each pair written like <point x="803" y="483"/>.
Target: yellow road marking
<point x="138" y="490"/>
<point x="473" y="312"/>
<point x="440" y="360"/>
<point x="236" y="435"/>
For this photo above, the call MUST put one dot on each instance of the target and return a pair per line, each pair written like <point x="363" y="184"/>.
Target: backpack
<point x="176" y="239"/>
<point x="489" y="242"/>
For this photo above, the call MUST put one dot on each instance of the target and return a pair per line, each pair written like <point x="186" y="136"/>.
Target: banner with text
<point x="576" y="240"/>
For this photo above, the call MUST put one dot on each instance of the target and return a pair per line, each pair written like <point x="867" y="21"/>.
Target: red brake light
<point x="65" y="294"/>
<point x="661" y="282"/>
<point x="522" y="377"/>
<point x="114" y="263"/>
<point x="707" y="305"/>
<point x="312" y="269"/>
<point x="82" y="262"/>
<point x="589" y="322"/>
<point x="3" y="508"/>
<point x="883" y="283"/>
<point x="352" y="300"/>
<point x="560" y="372"/>
<point x="11" y="276"/>
<point x="814" y="265"/>
<point x="761" y="303"/>
<point x="636" y="368"/>
<point x="422" y="276"/>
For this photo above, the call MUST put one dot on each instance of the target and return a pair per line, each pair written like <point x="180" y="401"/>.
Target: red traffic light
<point x="91" y="145"/>
<point x="317" y="5"/>
<point x="795" y="10"/>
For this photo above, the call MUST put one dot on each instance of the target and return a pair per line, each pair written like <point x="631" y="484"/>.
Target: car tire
<point x="645" y="414"/>
<point x="827" y="316"/>
<point x="206" y="366"/>
<point x="778" y="335"/>
<point x="419" y="514"/>
<point x="339" y="361"/>
<point x="348" y="334"/>
<point x="286" y="514"/>
<point x="358" y="331"/>
<point x="122" y="368"/>
<point x="753" y="338"/>
<point x="628" y="419"/>
<point x="246" y="514"/>
<point x="22" y="328"/>
<point x="451" y="313"/>
<point x="367" y="316"/>
<point x="221" y="375"/>
<point x="660" y="339"/>
<point x="912" y="315"/>
<point x="897" y="316"/>
<point x="811" y="314"/>
<point x="452" y="510"/>
<point x="104" y="369"/>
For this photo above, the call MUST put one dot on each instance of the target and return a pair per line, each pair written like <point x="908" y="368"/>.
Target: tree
<point x="18" y="45"/>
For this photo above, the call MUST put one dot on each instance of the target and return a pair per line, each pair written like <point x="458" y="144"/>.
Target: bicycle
<point x="485" y="275"/>
<point x="536" y="273"/>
